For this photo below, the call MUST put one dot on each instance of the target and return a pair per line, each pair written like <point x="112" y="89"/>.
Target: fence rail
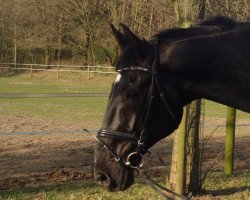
<point x="86" y="134"/>
<point x="88" y="69"/>
<point x="50" y="95"/>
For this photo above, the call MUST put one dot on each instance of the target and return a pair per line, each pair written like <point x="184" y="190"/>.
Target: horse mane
<point x="225" y="23"/>
<point x="207" y="27"/>
<point x="221" y="23"/>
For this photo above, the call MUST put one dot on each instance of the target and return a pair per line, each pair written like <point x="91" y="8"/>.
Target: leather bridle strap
<point x="117" y="135"/>
<point x="143" y="122"/>
<point x="159" y="188"/>
<point x="144" y="119"/>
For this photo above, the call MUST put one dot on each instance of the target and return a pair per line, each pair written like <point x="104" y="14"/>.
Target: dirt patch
<point x="27" y="123"/>
<point x="35" y="159"/>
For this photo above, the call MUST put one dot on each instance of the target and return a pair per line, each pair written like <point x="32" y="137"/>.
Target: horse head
<point x="155" y="80"/>
<point x="141" y="111"/>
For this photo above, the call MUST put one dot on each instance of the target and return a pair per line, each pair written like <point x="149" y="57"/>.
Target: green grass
<point x="86" y="190"/>
<point x="92" y="110"/>
<point x="48" y="83"/>
<point x="64" y="109"/>
<point x="216" y="110"/>
<point x="69" y="109"/>
<point x="218" y="186"/>
<point x="71" y="83"/>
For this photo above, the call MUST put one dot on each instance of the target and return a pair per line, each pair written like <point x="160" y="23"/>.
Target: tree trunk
<point x="151" y="20"/>
<point x="59" y="48"/>
<point x="193" y="171"/>
<point x="47" y="56"/>
<point x="92" y="51"/>
<point x="123" y="10"/>
<point x="87" y="48"/>
<point x="15" y="48"/>
<point x="186" y="18"/>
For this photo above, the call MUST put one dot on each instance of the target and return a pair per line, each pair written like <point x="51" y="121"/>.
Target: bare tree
<point x="238" y="9"/>
<point x="78" y="30"/>
<point x="186" y="151"/>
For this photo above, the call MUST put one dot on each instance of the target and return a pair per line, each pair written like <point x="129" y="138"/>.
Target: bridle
<point x="135" y="159"/>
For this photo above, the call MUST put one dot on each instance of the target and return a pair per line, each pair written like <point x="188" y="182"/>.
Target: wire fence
<point x="51" y="95"/>
<point x="93" y="131"/>
<point x="47" y="154"/>
<point x="66" y="155"/>
<point x="213" y="143"/>
<point x="86" y="135"/>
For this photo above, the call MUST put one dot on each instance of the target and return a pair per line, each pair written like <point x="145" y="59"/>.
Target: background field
<point x="58" y="164"/>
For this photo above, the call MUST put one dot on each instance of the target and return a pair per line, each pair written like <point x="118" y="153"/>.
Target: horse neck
<point x="219" y="84"/>
<point x="215" y="68"/>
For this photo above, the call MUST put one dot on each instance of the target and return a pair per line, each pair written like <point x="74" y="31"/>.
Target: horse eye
<point x="132" y="93"/>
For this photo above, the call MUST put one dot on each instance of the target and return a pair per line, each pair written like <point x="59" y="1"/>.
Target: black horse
<point x="157" y="78"/>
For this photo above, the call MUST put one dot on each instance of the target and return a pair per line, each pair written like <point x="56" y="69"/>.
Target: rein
<point x="135" y="159"/>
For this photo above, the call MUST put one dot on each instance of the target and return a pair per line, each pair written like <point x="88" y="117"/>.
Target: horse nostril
<point x="103" y="179"/>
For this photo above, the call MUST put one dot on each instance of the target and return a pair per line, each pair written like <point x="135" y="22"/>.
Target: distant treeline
<point x="77" y="31"/>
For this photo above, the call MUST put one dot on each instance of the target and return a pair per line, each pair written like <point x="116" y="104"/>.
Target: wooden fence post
<point x="178" y="165"/>
<point x="88" y="73"/>
<point x="181" y="154"/>
<point x="229" y="143"/>
<point x="31" y="70"/>
<point x="57" y="72"/>
<point x="8" y="69"/>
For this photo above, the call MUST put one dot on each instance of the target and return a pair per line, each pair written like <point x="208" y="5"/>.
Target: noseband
<point x="135" y="159"/>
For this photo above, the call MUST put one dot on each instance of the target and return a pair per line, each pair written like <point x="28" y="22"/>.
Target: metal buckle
<point x="132" y="157"/>
<point x="117" y="159"/>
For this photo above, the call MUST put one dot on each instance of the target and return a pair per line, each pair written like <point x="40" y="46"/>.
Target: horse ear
<point x="132" y="39"/>
<point x="120" y="38"/>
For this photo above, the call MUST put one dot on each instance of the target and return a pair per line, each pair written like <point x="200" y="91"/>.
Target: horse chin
<point x="128" y="180"/>
<point x="125" y="182"/>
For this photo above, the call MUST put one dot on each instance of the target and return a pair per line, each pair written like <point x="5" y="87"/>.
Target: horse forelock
<point x="131" y="57"/>
<point x="126" y="59"/>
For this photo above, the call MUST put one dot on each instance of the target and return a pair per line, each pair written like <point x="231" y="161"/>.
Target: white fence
<point x="88" y="69"/>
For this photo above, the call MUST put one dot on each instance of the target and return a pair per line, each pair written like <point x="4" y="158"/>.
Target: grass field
<point x="88" y="112"/>
<point x="44" y="82"/>
<point x="219" y="189"/>
<point x="66" y="109"/>
<point x="69" y="109"/>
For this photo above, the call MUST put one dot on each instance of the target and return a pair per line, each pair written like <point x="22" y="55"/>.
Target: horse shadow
<point x="225" y="192"/>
